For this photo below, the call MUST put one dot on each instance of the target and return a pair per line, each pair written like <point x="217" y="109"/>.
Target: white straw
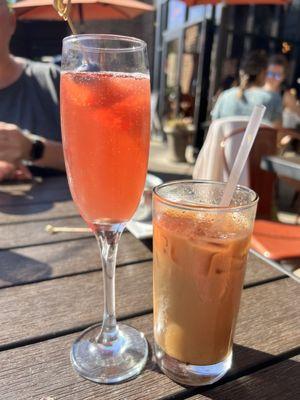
<point x="243" y="153"/>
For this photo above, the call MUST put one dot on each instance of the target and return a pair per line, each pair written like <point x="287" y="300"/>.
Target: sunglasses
<point x="275" y="75"/>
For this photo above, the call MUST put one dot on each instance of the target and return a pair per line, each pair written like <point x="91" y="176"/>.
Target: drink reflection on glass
<point x="105" y="113"/>
<point x="200" y="254"/>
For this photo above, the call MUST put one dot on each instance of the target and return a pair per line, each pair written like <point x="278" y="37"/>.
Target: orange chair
<point x="279" y="245"/>
<point x="272" y="240"/>
<point x="286" y="138"/>
<point x="275" y="240"/>
<point x="262" y="182"/>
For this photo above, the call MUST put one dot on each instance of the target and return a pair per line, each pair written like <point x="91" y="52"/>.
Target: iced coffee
<point x="200" y="254"/>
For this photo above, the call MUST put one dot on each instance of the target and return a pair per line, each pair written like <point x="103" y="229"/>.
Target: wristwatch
<point x="37" y="150"/>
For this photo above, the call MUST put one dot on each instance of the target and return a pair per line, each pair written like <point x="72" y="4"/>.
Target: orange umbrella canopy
<point x="81" y="9"/>
<point x="236" y="2"/>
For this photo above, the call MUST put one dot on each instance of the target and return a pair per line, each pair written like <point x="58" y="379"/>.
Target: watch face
<point x="37" y="150"/>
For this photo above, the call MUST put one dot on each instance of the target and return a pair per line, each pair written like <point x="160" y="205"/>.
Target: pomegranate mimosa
<point x="105" y="115"/>
<point x="106" y="128"/>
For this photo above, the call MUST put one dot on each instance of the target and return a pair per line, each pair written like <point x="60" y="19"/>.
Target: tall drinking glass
<point x="105" y="114"/>
<point x="199" y="260"/>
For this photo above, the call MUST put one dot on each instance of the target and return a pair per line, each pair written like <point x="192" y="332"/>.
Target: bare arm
<point x="16" y="146"/>
<point x="52" y="157"/>
<point x="290" y="102"/>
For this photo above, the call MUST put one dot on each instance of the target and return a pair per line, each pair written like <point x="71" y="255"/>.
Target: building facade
<point x="198" y="51"/>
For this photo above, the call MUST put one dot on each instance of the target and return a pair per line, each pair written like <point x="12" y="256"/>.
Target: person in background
<point x="276" y="74"/>
<point x="240" y="100"/>
<point x="227" y="83"/>
<point x="29" y="109"/>
<point x="291" y="110"/>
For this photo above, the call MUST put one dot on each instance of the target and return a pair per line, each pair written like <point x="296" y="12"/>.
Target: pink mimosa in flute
<point x="105" y="114"/>
<point x="106" y="128"/>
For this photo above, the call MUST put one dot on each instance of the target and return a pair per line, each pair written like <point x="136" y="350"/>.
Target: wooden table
<point x="51" y="289"/>
<point x="288" y="167"/>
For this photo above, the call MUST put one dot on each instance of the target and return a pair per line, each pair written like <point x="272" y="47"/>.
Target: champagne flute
<point x="105" y="114"/>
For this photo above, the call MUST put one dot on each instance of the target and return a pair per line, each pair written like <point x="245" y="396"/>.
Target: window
<point x="171" y="78"/>
<point x="197" y="13"/>
<point x="176" y="13"/>
<point x="189" y="71"/>
<point x="219" y="9"/>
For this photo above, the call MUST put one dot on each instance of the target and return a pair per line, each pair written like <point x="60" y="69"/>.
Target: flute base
<point x="120" y="361"/>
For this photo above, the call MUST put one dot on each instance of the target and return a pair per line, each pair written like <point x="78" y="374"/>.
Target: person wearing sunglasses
<point x="275" y="77"/>
<point x="240" y="100"/>
<point x="276" y="73"/>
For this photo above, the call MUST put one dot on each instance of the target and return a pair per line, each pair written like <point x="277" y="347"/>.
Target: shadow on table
<point x="33" y="197"/>
<point x="253" y="376"/>
<point x="279" y="381"/>
<point x="16" y="269"/>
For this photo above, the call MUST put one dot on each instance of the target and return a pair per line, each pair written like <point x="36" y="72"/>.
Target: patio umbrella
<point x="82" y="10"/>
<point x="237" y="2"/>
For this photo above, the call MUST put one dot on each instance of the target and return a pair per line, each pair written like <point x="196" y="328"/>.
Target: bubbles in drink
<point x="104" y="89"/>
<point x="88" y="67"/>
<point x="107" y="117"/>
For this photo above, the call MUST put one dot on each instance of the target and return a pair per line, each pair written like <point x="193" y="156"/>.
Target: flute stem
<point x="108" y="240"/>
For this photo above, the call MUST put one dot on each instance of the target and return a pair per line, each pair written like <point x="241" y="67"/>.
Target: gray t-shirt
<point x="32" y="102"/>
<point x="229" y="104"/>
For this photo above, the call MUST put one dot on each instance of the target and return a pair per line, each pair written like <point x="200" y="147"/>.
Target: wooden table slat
<point x="47" y="190"/>
<point x="49" y="307"/>
<point x="44" y="369"/>
<point x="258" y="271"/>
<point x="34" y="233"/>
<point x="37" y="212"/>
<point x="280" y="381"/>
<point x="53" y="306"/>
<point x="43" y="262"/>
<point x="50" y="287"/>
